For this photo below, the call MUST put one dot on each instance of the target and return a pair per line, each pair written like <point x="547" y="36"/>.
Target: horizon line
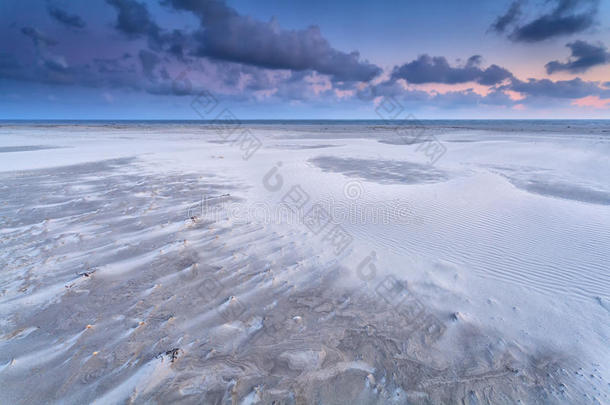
<point x="292" y="119"/>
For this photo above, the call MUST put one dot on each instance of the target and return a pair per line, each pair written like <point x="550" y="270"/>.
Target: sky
<point x="278" y="59"/>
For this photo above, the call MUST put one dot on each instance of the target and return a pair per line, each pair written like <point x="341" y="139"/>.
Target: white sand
<point x="503" y="245"/>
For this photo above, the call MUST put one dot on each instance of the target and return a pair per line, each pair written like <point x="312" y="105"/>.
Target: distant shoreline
<point x="588" y="126"/>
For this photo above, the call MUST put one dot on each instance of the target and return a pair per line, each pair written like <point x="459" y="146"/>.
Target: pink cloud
<point x="592" y="101"/>
<point x="516" y="96"/>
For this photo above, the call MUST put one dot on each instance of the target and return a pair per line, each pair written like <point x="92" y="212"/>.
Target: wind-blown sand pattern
<point x="118" y="287"/>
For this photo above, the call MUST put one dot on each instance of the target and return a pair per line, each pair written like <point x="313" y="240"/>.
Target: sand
<point x="156" y="264"/>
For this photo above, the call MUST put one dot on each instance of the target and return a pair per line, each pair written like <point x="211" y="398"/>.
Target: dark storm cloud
<point x="584" y="56"/>
<point x="243" y="59"/>
<point x="227" y="35"/>
<point x="571" y="89"/>
<point x="427" y="69"/>
<point x="456" y="99"/>
<point x="49" y="67"/>
<point x="414" y="98"/>
<point x="468" y="98"/>
<point x="133" y="18"/>
<point x="494" y="74"/>
<point x="38" y="37"/>
<point x="48" y="60"/>
<point x="70" y="20"/>
<point x="388" y="88"/>
<point x="149" y="61"/>
<point x="565" y="18"/>
<point x="511" y="15"/>
<point x="177" y="43"/>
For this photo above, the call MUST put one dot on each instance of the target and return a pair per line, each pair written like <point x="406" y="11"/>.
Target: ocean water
<point x="558" y="126"/>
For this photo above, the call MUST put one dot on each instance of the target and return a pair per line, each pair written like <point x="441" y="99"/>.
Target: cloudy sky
<point x="136" y="59"/>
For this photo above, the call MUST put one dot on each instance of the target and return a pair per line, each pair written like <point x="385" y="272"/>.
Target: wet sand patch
<point x="382" y="171"/>
<point x="25" y="148"/>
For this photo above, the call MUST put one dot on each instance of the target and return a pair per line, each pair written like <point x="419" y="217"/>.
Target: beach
<point x="305" y="262"/>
